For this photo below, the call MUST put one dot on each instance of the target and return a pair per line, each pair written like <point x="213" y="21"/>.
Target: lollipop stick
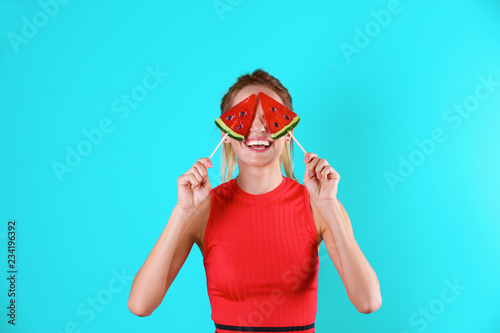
<point x="218" y="146"/>
<point x="297" y="143"/>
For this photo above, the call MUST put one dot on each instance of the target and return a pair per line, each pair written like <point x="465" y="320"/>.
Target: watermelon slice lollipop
<point x="279" y="118"/>
<point x="236" y="121"/>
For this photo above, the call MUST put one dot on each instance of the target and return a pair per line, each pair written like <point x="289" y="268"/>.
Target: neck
<point x="259" y="180"/>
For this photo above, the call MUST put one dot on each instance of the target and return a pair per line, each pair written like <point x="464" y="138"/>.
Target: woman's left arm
<point x="359" y="278"/>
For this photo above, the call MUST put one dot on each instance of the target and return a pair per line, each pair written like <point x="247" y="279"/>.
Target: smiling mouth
<point x="259" y="148"/>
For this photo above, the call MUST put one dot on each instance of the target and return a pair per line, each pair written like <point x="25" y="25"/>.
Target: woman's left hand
<point x="320" y="179"/>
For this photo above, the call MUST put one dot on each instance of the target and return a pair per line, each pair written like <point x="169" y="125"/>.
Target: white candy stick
<point x="297" y="143"/>
<point x="218" y="145"/>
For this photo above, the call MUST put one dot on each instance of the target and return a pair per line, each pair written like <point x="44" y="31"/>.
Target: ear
<point x="226" y="140"/>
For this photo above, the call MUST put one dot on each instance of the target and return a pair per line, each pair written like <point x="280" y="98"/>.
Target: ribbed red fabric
<point x="261" y="259"/>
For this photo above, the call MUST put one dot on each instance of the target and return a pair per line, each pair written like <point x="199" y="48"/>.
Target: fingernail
<point x="311" y="173"/>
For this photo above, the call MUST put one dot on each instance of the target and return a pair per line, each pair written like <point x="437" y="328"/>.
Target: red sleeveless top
<point x="261" y="259"/>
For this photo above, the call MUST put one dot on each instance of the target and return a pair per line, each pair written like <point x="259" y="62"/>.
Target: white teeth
<point x="257" y="142"/>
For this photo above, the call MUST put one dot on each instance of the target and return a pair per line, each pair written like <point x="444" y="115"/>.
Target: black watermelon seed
<point x="286" y="117"/>
<point x="273" y="109"/>
<point x="242" y="114"/>
<point x="276" y="124"/>
<point x="229" y="117"/>
<point x="239" y="127"/>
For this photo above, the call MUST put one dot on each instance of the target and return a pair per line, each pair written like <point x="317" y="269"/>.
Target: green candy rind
<point x="223" y="127"/>
<point x="286" y="129"/>
<point x="220" y="124"/>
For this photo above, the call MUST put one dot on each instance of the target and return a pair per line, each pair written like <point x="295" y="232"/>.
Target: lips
<point x="258" y="145"/>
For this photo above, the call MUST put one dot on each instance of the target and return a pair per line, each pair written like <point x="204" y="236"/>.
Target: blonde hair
<point x="263" y="78"/>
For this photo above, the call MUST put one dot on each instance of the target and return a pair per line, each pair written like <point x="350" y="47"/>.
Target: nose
<point x="259" y="123"/>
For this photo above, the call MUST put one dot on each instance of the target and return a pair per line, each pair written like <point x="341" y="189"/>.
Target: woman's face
<point x="258" y="130"/>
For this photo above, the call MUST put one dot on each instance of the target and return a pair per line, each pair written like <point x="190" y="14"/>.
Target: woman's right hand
<point x="194" y="185"/>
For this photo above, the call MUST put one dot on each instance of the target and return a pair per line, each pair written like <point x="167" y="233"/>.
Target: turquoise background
<point x="364" y="100"/>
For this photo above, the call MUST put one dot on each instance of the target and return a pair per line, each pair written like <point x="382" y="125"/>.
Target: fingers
<point x="322" y="169"/>
<point x="311" y="160"/>
<point x="206" y="162"/>
<point x="309" y="156"/>
<point x="186" y="179"/>
<point x="317" y="167"/>
<point x="201" y="167"/>
<point x="197" y="174"/>
<point x="325" y="172"/>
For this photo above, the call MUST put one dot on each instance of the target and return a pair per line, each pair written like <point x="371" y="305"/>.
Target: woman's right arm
<point x="175" y="242"/>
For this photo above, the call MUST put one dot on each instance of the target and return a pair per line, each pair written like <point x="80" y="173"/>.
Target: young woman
<point x="259" y="233"/>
